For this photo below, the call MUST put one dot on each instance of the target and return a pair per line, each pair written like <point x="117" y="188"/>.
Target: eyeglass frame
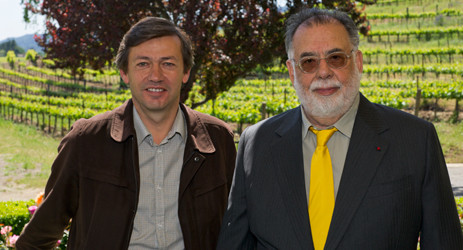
<point x="323" y="58"/>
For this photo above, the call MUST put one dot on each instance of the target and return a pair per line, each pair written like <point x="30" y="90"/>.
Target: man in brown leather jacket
<point x="150" y="174"/>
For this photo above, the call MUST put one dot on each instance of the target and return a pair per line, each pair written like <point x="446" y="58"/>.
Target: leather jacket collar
<point x="198" y="137"/>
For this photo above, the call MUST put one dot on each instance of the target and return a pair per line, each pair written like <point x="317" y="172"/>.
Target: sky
<point x="12" y="23"/>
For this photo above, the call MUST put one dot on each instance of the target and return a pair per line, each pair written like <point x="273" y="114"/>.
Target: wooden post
<point x="49" y="123"/>
<point x="62" y="126"/>
<point x="284" y="100"/>
<point x="423" y="71"/>
<point x="263" y="112"/>
<point x="55" y="125"/>
<point x="418" y="97"/>
<point x="407" y="16"/>
<point x="43" y="122"/>
<point x="456" y="112"/>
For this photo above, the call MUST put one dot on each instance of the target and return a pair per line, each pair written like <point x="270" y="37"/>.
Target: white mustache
<point x="318" y="84"/>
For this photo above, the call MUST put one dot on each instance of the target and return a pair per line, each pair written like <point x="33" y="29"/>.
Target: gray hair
<point x="309" y="17"/>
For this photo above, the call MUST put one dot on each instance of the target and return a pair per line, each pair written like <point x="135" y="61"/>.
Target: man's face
<point x="155" y="74"/>
<point x="326" y="92"/>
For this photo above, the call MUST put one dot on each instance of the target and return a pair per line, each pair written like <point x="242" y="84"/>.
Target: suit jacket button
<point x="196" y="159"/>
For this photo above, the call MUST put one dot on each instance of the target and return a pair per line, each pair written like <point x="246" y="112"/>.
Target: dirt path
<point x="10" y="190"/>
<point x="18" y="194"/>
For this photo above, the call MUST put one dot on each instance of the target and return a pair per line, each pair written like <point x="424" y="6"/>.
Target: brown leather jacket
<point x="95" y="182"/>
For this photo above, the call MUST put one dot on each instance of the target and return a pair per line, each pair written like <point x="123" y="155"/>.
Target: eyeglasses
<point x="335" y="60"/>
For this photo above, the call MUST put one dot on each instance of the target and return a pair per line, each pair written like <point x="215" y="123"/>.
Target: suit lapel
<point x="287" y="157"/>
<point x="366" y="150"/>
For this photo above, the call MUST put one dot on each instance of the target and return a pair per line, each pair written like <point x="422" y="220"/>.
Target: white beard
<point x="329" y="106"/>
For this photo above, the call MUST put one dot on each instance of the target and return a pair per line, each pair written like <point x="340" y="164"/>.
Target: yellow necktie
<point x="321" y="195"/>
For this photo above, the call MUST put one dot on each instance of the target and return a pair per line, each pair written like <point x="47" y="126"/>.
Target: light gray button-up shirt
<point x="156" y="224"/>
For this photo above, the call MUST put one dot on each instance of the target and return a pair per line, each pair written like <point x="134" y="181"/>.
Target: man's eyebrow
<point x="164" y="58"/>
<point x="142" y="58"/>
<point x="333" y="50"/>
<point x="304" y="54"/>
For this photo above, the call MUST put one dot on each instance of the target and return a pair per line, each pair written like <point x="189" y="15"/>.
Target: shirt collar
<point x="345" y="125"/>
<point x="142" y="132"/>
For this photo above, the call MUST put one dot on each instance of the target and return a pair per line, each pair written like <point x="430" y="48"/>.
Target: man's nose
<point x="155" y="73"/>
<point x="324" y="71"/>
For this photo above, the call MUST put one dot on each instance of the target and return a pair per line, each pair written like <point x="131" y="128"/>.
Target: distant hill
<point x="26" y="42"/>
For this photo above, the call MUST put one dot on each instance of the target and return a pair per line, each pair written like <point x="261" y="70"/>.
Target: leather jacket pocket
<point x="208" y="187"/>
<point x="105" y="177"/>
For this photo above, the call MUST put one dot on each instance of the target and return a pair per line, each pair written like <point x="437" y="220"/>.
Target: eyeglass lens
<point x="334" y="60"/>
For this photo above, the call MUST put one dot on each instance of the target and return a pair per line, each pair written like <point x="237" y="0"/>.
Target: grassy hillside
<point x="25" y="155"/>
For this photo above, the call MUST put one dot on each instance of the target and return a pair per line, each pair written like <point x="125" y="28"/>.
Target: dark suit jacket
<point x="394" y="187"/>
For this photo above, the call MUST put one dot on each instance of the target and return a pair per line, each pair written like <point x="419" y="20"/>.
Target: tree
<point x="11" y="45"/>
<point x="231" y="37"/>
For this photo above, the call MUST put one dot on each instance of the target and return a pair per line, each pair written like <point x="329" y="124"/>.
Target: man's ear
<point x="186" y="76"/>
<point x="359" y="60"/>
<point x="124" y="76"/>
<point x="289" y="65"/>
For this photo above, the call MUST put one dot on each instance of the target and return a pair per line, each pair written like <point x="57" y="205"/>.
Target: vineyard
<point x="412" y="61"/>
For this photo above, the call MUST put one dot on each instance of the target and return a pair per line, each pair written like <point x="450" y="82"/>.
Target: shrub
<point x="11" y="58"/>
<point x="459" y="201"/>
<point x="32" y="56"/>
<point x="48" y="63"/>
<point x="15" y="214"/>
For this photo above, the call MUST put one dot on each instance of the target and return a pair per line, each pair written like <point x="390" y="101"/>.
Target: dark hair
<point x="309" y="17"/>
<point x="149" y="28"/>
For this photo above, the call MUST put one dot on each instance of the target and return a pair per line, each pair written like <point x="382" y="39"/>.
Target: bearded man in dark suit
<point x="388" y="182"/>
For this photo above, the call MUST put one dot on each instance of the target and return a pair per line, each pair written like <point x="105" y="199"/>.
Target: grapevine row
<point x="44" y="82"/>
<point x="427" y="52"/>
<point x="402" y="2"/>
<point x="383" y="16"/>
<point x="90" y="75"/>
<point x="413" y="56"/>
<point x="437" y="69"/>
<point x="418" y="33"/>
<point x="86" y="97"/>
